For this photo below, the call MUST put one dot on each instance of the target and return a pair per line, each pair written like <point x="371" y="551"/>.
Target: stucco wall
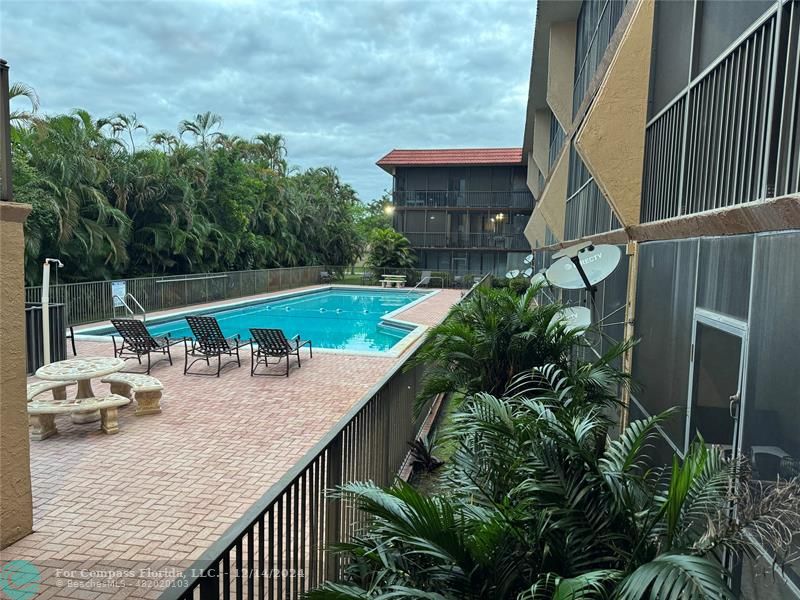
<point x="611" y="139"/>
<point x="550" y="207"/>
<point x="16" y="516"/>
<point x="561" y="71"/>
<point x="541" y="140"/>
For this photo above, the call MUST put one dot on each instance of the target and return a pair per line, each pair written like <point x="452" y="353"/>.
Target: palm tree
<point x="541" y="503"/>
<point x="201" y="128"/>
<point x="129" y="124"/>
<point x="272" y="147"/>
<point x="489" y="339"/>
<point x="23" y="118"/>
<point x="166" y="140"/>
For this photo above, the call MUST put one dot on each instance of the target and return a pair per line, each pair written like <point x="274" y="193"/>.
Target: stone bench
<point x="41" y="414"/>
<point x="146" y="389"/>
<point x="59" y="389"/>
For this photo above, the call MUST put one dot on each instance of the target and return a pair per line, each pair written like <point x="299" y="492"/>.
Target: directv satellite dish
<point x="512" y="274"/>
<point x="528" y="259"/>
<point x="539" y="279"/>
<point x="527" y="272"/>
<point x="578" y="317"/>
<point x="572" y="250"/>
<point x="583" y="268"/>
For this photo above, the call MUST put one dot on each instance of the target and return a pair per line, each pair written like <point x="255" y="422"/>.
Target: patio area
<point x="120" y="515"/>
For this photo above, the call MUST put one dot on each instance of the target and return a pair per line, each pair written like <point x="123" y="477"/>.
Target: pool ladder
<point x="130" y="311"/>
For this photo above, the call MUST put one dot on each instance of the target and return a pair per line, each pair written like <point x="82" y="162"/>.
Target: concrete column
<point x="16" y="501"/>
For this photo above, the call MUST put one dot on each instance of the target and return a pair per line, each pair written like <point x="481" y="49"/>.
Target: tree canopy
<point x="197" y="200"/>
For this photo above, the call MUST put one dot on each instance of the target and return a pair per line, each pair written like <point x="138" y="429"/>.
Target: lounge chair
<point x="137" y="342"/>
<point x="209" y="342"/>
<point x="267" y="343"/>
<point x="325" y="277"/>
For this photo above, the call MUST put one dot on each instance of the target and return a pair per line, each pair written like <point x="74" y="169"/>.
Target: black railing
<point x="448" y="199"/>
<point x="34" y="342"/>
<point x="280" y="547"/>
<point x="93" y="301"/>
<point x="489" y="241"/>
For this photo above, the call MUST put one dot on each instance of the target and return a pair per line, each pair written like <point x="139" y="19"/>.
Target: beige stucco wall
<point x="533" y="176"/>
<point x="541" y="139"/>
<point x="561" y="71"/>
<point x="16" y="515"/>
<point x="611" y="139"/>
<point x="550" y="208"/>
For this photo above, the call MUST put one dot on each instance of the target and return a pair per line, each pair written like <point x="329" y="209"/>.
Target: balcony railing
<point x="422" y="199"/>
<point x="732" y="136"/>
<point x="493" y="241"/>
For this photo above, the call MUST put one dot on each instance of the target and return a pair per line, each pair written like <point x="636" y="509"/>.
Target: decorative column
<point x="16" y="501"/>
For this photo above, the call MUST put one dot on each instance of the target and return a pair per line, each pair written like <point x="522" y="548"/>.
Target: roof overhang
<point x="452" y="157"/>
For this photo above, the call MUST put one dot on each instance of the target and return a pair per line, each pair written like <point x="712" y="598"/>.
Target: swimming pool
<point x="335" y="318"/>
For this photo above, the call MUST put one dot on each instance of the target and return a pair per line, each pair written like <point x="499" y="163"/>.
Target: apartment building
<point x="671" y="128"/>
<point x="462" y="210"/>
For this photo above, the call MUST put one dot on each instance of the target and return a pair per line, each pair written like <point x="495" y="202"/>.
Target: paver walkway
<point x="120" y="515"/>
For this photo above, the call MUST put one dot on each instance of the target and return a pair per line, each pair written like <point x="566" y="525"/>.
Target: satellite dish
<point x="527" y="272"/>
<point x="577" y="317"/>
<point x="539" y="279"/>
<point x="512" y="274"/>
<point x="597" y="262"/>
<point x="528" y="259"/>
<point x="572" y="250"/>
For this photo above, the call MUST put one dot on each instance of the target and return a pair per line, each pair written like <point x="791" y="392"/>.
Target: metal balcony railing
<point x="494" y="241"/>
<point x="444" y="199"/>
<point x="732" y="135"/>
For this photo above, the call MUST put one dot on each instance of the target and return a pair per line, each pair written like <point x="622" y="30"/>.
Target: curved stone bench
<point x="41" y="414"/>
<point x="59" y="389"/>
<point x="146" y="388"/>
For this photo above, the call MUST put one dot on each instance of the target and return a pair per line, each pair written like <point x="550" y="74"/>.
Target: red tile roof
<point x="458" y="156"/>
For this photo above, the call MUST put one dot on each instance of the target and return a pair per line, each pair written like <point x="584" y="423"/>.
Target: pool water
<point x="336" y="319"/>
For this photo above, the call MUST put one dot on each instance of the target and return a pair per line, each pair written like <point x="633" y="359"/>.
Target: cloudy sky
<point x="344" y="81"/>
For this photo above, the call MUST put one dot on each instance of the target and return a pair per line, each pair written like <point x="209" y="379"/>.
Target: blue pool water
<point x="336" y="319"/>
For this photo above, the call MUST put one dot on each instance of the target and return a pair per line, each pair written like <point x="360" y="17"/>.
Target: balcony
<point x="490" y="241"/>
<point x="422" y="199"/>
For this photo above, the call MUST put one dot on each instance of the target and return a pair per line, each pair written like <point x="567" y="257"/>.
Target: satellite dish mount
<point x="573" y="253"/>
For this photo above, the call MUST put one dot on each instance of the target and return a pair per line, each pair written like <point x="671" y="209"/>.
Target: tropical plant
<point x="21" y="118"/>
<point x="201" y="127"/>
<point x="389" y="249"/>
<point x="110" y="206"/>
<point x="488" y="339"/>
<point x="542" y="503"/>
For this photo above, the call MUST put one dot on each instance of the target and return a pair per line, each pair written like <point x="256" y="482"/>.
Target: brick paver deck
<point x="158" y="493"/>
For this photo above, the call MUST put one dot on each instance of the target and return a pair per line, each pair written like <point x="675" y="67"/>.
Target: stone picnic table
<point x="82" y="370"/>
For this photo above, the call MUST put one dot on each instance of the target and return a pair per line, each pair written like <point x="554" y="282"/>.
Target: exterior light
<point x="500" y="216"/>
<point x="389" y="209"/>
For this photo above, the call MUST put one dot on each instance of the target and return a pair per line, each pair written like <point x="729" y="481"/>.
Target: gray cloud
<point x="345" y="82"/>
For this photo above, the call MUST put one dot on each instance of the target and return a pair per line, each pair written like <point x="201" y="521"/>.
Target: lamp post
<point x="46" y="305"/>
<point x="6" y="191"/>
